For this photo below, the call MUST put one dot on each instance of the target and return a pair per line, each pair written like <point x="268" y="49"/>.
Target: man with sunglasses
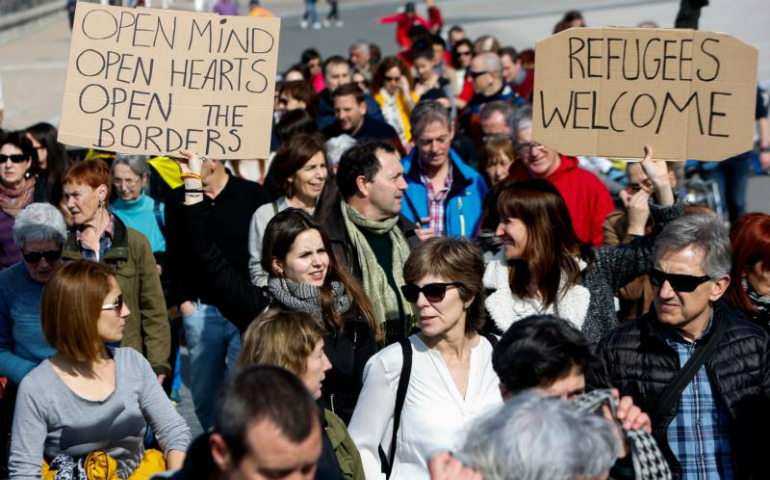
<point x="701" y="373"/>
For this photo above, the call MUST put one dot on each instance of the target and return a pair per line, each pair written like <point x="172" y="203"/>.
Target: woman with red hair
<point x="749" y="291"/>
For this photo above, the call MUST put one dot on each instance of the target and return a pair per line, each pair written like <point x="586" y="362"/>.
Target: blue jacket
<point x="464" y="204"/>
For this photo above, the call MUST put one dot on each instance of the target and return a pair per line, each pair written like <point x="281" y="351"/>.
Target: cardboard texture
<point x="155" y="81"/>
<point x="609" y="91"/>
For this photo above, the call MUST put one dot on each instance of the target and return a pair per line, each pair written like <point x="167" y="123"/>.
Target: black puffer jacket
<point x="638" y="362"/>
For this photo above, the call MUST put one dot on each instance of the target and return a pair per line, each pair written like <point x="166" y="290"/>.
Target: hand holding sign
<point x="608" y="91"/>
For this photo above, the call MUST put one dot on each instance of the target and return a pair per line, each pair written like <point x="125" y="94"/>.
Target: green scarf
<point x="384" y="299"/>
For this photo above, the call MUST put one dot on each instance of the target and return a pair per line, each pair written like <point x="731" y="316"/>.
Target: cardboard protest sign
<point x="155" y="81"/>
<point x="609" y="91"/>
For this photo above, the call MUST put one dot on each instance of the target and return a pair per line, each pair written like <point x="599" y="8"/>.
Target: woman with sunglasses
<point x="52" y="156"/>
<point x="303" y="275"/>
<point x="451" y="382"/>
<point x="90" y="402"/>
<point x="39" y="232"/>
<point x="19" y="186"/>
<point x="462" y="55"/>
<point x="392" y="87"/>
<point x="543" y="268"/>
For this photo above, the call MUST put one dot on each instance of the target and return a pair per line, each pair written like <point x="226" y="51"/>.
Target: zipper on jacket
<point x="462" y="217"/>
<point x="331" y="402"/>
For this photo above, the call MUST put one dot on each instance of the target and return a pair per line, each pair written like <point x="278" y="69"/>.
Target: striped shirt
<point x="698" y="435"/>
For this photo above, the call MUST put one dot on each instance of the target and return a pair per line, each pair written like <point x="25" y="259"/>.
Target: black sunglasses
<point x="35" y="257"/>
<point x="391" y="79"/>
<point x="15" y="158"/>
<point x="475" y="75"/>
<point x="434" y="292"/>
<point x="680" y="283"/>
<point x="463" y="53"/>
<point x="117" y="306"/>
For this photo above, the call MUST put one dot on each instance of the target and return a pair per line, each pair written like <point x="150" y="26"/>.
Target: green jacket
<point x="344" y="448"/>
<point x="130" y="256"/>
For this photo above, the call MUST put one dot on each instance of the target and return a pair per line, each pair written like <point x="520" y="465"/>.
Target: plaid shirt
<point x="105" y="242"/>
<point x="698" y="435"/>
<point x="437" y="201"/>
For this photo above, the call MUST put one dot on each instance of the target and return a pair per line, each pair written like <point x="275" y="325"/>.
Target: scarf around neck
<point x="385" y="300"/>
<point x="306" y="298"/>
<point x="13" y="200"/>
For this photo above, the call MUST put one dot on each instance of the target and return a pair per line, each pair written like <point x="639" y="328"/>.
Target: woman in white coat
<point x="451" y="380"/>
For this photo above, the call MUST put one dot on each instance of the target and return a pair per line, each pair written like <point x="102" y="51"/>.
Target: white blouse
<point x="435" y="416"/>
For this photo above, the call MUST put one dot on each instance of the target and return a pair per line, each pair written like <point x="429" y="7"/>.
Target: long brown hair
<point x="750" y="239"/>
<point x="378" y="79"/>
<point x="280" y="234"/>
<point x="291" y="157"/>
<point x="70" y="308"/>
<point x="553" y="248"/>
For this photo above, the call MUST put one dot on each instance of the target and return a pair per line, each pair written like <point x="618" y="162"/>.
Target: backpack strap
<point x="403" y="384"/>
<point x="274" y="203"/>
<point x="491" y="337"/>
<point x="158" y="216"/>
<point x="676" y="386"/>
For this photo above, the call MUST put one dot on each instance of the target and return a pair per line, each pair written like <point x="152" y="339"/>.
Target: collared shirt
<point x="105" y="242"/>
<point x="698" y="435"/>
<point x="437" y="201"/>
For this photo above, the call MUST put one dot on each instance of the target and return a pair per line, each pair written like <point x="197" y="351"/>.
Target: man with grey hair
<point x="538" y="438"/>
<point x="496" y="118"/>
<point x="443" y="193"/>
<point x="40" y="233"/>
<point x="361" y="57"/>
<point x="588" y="199"/>
<point x="701" y="373"/>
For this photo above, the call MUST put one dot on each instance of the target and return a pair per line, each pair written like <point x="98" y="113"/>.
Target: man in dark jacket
<point x="369" y="236"/>
<point x="336" y="71"/>
<point x="213" y="342"/>
<point x="717" y="424"/>
<point x="266" y="425"/>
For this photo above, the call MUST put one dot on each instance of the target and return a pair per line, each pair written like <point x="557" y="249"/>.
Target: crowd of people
<point x="410" y="287"/>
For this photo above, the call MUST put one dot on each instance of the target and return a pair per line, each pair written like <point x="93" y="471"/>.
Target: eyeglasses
<point x="526" y="148"/>
<point x="391" y="79"/>
<point x="15" y="158"/>
<point x="680" y="283"/>
<point x="117" y="306"/>
<point x="475" y="75"/>
<point x="35" y="257"/>
<point x="434" y="292"/>
<point x="129" y="182"/>
<point x="464" y="53"/>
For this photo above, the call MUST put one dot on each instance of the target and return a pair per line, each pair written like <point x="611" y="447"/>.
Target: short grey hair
<point x="706" y="233"/>
<point x="427" y="112"/>
<point x="39" y="222"/>
<point x="537" y="438"/>
<point x="337" y="146"/>
<point x="521" y="120"/>
<point x="491" y="62"/>
<point x="137" y="163"/>
<point x="361" y="45"/>
<point x="505" y="109"/>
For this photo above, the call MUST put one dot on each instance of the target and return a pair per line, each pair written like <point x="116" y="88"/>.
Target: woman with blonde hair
<point x="89" y="405"/>
<point x="393" y="88"/>
<point x="294" y="341"/>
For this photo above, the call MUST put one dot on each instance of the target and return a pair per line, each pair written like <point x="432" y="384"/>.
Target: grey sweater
<point x="50" y="419"/>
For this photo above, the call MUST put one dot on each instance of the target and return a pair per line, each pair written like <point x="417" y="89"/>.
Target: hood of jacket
<point x="567" y="165"/>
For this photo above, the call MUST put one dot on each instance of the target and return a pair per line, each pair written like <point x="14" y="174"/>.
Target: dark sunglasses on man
<point x="434" y="292"/>
<point x="680" y="283"/>
<point x="35" y="257"/>
<point x="15" y="158"/>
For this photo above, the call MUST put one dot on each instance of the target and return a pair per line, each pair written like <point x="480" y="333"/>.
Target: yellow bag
<point x="100" y="466"/>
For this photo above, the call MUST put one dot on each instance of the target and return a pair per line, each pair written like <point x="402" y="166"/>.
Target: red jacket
<point x="588" y="200"/>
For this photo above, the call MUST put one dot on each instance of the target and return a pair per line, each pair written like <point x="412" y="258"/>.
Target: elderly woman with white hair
<point x="541" y="438"/>
<point x="39" y="232"/>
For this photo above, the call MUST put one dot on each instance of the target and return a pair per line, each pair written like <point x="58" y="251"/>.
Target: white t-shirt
<point x="435" y="416"/>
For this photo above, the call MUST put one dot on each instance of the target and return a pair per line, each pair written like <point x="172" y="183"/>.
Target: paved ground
<point x="33" y="65"/>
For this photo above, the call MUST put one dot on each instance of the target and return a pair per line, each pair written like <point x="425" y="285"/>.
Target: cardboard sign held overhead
<point x="609" y="91"/>
<point x="156" y="81"/>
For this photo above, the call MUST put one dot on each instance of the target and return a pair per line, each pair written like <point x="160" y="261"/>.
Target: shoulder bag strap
<point x="491" y="337"/>
<point x="403" y="384"/>
<point x="674" y="389"/>
<point x="274" y="203"/>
